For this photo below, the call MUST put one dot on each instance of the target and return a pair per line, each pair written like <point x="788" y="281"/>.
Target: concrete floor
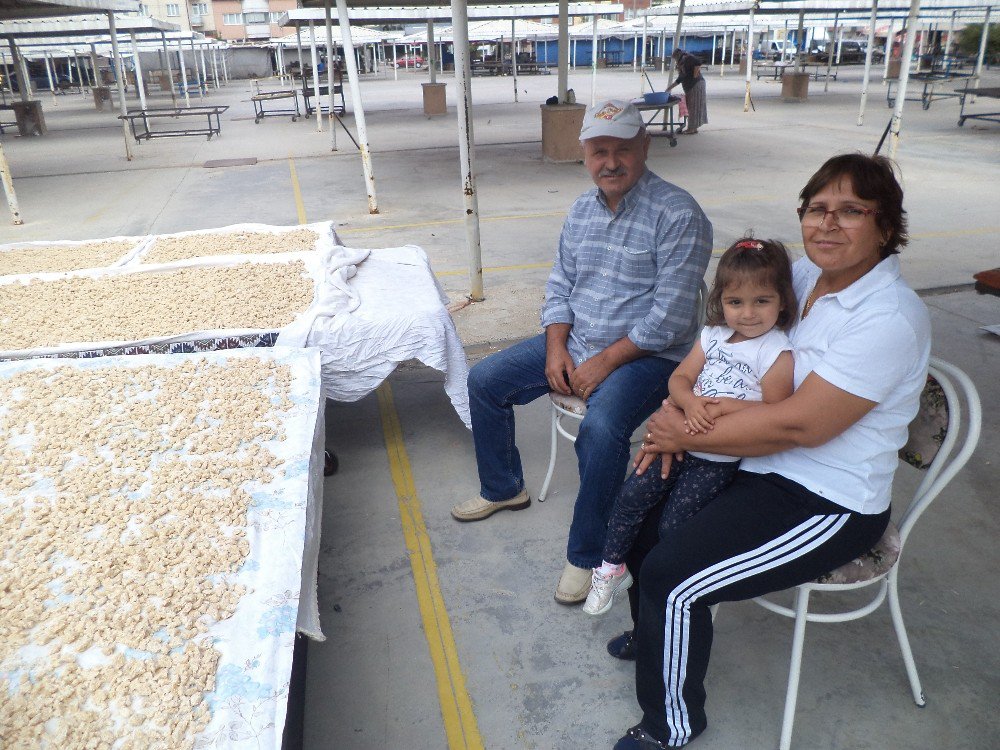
<point x="525" y="672"/>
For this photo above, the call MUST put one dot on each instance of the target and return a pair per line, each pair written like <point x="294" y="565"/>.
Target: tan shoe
<point x="479" y="508"/>
<point x="574" y="584"/>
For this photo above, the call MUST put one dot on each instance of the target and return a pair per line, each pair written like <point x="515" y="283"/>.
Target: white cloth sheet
<point x="400" y="315"/>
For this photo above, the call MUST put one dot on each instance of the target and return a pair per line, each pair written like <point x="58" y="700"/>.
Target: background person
<point x="742" y="358"/>
<point x="814" y="489"/>
<point x="691" y="80"/>
<point x="619" y="314"/>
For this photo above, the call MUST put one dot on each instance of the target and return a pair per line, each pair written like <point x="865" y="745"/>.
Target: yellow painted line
<point x="297" y="191"/>
<point x="460" y="726"/>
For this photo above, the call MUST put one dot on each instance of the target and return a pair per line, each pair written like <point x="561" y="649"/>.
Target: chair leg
<point x="554" y="438"/>
<point x="904" y="641"/>
<point x="798" y="641"/>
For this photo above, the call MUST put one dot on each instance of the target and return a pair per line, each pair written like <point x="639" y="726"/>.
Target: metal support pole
<point x="800" y="43"/>
<point x="315" y="75"/>
<point x="116" y="60"/>
<point x="329" y="73"/>
<point x="904" y="77"/>
<point x="225" y="68"/>
<point x="466" y="147"/>
<point x="513" y="57"/>
<point x="197" y="70"/>
<point x="829" y="49"/>
<point x="298" y="49"/>
<point x="951" y="31"/>
<point x="166" y="64"/>
<point x="432" y="52"/>
<point x="184" y="72"/>
<point x="889" y="39"/>
<point x="8" y="189"/>
<point x="140" y="85"/>
<point x="677" y="41"/>
<point x="593" y="63"/>
<point x="982" y="48"/>
<point x="642" y="62"/>
<point x="215" y="68"/>
<point x="95" y="65"/>
<point x="47" y="58"/>
<point x="562" y="52"/>
<point x="359" y="109"/>
<point x="204" y="68"/>
<point x="749" y="61"/>
<point x="868" y="63"/>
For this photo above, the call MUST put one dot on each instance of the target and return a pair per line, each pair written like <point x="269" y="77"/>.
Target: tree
<point x="969" y="37"/>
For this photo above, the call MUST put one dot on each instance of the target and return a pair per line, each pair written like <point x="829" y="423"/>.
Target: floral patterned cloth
<point x="927" y="433"/>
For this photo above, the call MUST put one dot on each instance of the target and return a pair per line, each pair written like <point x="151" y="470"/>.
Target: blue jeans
<point x="516" y="376"/>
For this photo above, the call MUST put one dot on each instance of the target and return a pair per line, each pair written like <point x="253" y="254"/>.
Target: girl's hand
<point x="697" y="417"/>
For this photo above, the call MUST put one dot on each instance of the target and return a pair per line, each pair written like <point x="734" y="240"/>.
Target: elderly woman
<point x="813" y="491"/>
<point x="689" y="77"/>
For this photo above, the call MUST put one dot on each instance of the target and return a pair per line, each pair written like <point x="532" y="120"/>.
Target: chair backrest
<point x="941" y="442"/>
<point x="702" y="305"/>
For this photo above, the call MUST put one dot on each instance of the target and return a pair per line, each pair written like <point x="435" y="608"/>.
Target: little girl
<point x="742" y="358"/>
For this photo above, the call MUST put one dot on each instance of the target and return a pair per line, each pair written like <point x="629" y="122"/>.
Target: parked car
<point x="410" y="61"/>
<point x="850" y="52"/>
<point x="778" y="50"/>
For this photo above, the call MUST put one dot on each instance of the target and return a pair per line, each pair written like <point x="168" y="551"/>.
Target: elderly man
<point x="619" y="314"/>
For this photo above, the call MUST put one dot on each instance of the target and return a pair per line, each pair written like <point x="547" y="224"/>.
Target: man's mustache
<point x="619" y="172"/>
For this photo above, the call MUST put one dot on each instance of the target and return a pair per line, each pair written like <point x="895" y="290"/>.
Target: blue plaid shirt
<point x="634" y="272"/>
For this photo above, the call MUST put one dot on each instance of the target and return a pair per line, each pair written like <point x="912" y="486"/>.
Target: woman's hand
<point x="666" y="429"/>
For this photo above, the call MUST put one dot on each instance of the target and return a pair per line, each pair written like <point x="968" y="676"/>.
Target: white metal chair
<point x="571" y="407"/>
<point x="936" y="444"/>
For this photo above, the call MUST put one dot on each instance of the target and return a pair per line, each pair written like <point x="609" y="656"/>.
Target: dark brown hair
<point x="764" y="262"/>
<point x="872" y="178"/>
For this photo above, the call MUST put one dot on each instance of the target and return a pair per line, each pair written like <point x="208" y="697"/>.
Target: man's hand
<point x="559" y="370"/>
<point x="589" y="375"/>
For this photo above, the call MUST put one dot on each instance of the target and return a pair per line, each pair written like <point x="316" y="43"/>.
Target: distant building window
<point x="199" y="9"/>
<point x="143" y="10"/>
<point x="232" y="19"/>
<point x="173" y="9"/>
<point x="255" y="17"/>
<point x="275" y="17"/>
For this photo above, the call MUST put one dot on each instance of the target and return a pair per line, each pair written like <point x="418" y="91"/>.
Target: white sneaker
<point x="603" y="590"/>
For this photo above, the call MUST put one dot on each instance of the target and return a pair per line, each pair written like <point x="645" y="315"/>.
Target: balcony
<point x="258" y="31"/>
<point x="197" y="19"/>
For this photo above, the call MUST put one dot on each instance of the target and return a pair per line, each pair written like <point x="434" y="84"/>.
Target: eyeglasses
<point x="847" y="217"/>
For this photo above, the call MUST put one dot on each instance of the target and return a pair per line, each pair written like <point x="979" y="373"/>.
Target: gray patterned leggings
<point x="691" y="485"/>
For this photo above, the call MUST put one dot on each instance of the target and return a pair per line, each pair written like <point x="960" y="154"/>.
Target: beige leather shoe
<point x="479" y="508"/>
<point x="574" y="584"/>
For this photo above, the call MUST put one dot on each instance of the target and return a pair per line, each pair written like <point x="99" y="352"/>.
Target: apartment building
<point x="231" y="20"/>
<point x="189" y="16"/>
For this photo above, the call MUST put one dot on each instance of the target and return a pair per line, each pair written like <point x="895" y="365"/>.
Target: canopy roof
<point x="363" y="12"/>
<point x="55" y="29"/>
<point x="11" y="9"/>
<point x="488" y="31"/>
<point x="820" y="8"/>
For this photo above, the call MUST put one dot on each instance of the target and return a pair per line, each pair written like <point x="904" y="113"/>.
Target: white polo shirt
<point x="873" y="340"/>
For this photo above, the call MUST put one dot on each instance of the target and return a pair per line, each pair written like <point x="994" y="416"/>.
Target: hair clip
<point x="749" y="245"/>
